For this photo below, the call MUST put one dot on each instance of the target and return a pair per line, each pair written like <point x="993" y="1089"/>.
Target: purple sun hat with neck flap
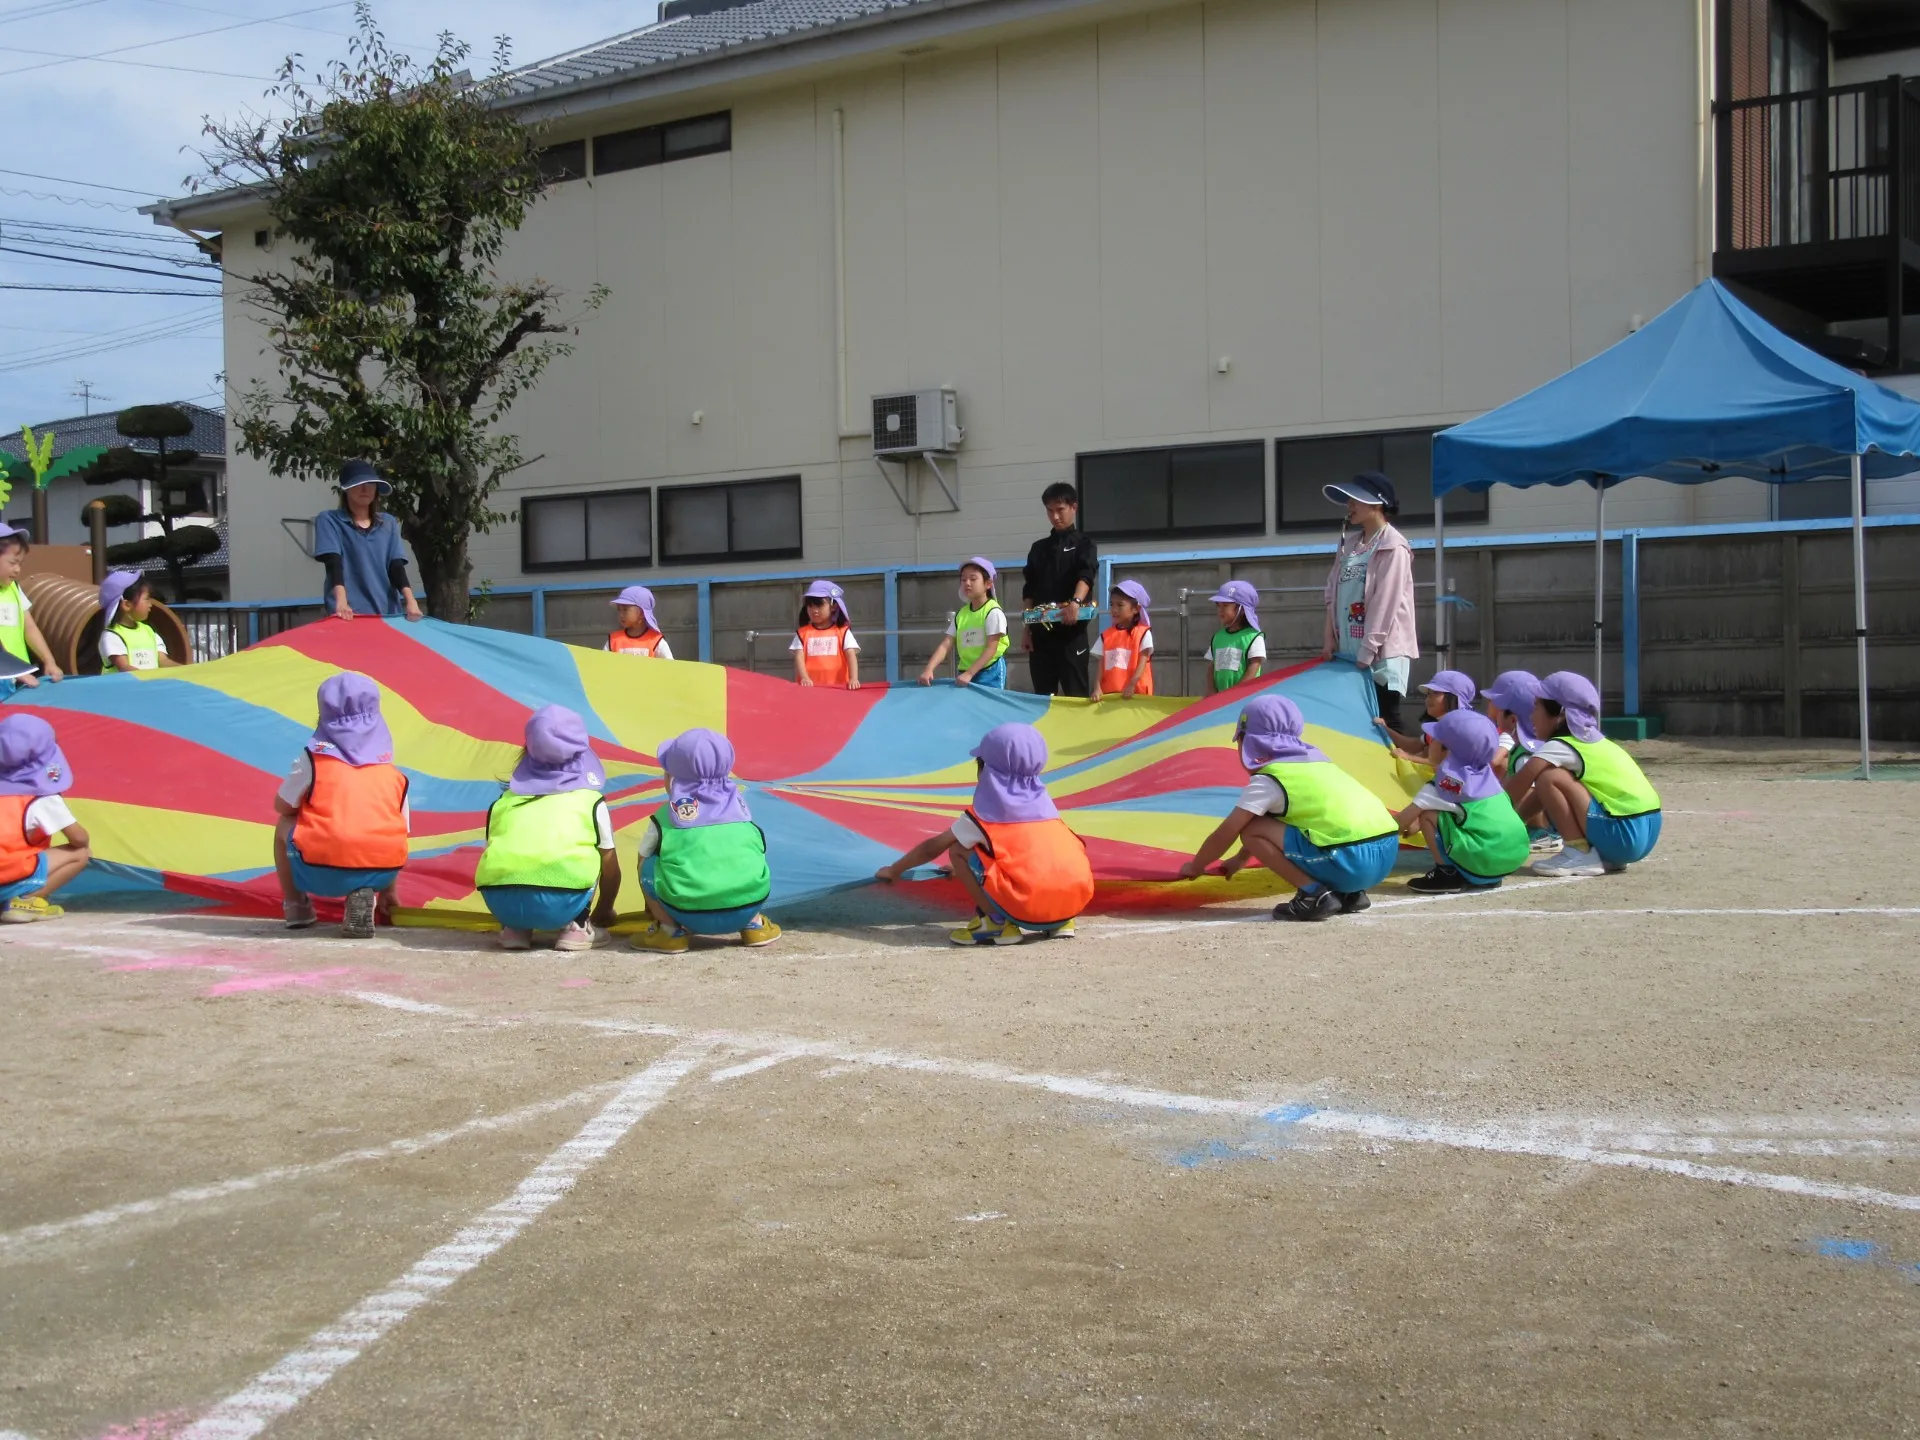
<point x="559" y="755"/>
<point x="351" y="727"/>
<point x="1456" y="683"/>
<point x="1466" y="771"/>
<point x="1578" y="701"/>
<point x="1515" y="691"/>
<point x="641" y="598"/>
<point x="1239" y="592"/>
<point x="1010" y="790"/>
<point x="31" y="760"/>
<point x="700" y="787"/>
<point x="985" y="567"/>
<point x="827" y="590"/>
<point x="113" y="590"/>
<point x="1137" y="593"/>
<point x="1270" y="730"/>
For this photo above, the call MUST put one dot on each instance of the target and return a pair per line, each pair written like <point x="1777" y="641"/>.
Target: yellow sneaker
<point x="665" y="939"/>
<point x="1065" y="932"/>
<point x="761" y="932"/>
<point x="982" y="931"/>
<point x="28" y="908"/>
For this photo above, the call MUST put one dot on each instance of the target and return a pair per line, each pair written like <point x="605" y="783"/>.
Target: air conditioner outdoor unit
<point x="924" y="422"/>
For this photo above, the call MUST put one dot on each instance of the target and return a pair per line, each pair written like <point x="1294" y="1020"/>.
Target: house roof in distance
<point x="209" y="435"/>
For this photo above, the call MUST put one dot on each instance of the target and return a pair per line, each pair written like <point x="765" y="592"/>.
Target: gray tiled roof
<point x="697" y="35"/>
<point x="209" y="435"/>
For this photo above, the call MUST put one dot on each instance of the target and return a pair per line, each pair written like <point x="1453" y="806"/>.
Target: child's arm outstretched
<point x="1217" y="844"/>
<point x="1414" y="747"/>
<point x="925" y="853"/>
<point x="939" y="658"/>
<point x="603" y="915"/>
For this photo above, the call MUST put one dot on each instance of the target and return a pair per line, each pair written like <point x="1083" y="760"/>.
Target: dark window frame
<point x="731" y="555"/>
<point x="529" y="566"/>
<point x="554" y="162"/>
<point x="1457" y="509"/>
<point x="652" y="143"/>
<point x="1089" y="522"/>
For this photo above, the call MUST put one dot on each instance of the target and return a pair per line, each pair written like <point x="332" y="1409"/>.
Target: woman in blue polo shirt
<point x="361" y="549"/>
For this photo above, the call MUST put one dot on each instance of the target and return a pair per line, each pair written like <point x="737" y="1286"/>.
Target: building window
<point x="580" y="532"/>
<point x="657" y="144"/>
<point x="1188" y="490"/>
<point x="566" y="161"/>
<point x="1403" y="456"/>
<point x="746" y="520"/>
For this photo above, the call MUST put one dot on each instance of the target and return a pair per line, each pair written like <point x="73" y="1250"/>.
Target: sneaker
<point x="1352" y="902"/>
<point x="575" y="937"/>
<point x="982" y="931"/>
<point x="357" y="921"/>
<point x="1612" y="867"/>
<point x="761" y="932"/>
<point x="1440" y="880"/>
<point x="297" y="914"/>
<point x="1543" y="841"/>
<point x="1318" y="906"/>
<point x="29" y="908"/>
<point x="1570" y="861"/>
<point x="666" y="939"/>
<point x="512" y="939"/>
<point x="1065" y="932"/>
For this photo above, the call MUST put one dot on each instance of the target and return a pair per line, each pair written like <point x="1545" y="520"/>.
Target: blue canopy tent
<point x="1708" y="389"/>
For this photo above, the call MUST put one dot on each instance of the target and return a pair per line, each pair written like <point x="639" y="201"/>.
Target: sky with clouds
<point x="130" y="120"/>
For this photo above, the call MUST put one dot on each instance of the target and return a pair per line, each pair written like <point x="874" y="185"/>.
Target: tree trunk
<point x="446" y="577"/>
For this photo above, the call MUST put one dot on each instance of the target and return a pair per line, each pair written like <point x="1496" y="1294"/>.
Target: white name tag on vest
<point x="974" y="639"/>
<point x="9" y="612"/>
<point x="144" y="659"/>
<point x="1119" y="659"/>
<point x="1227" y="660"/>
<point x="823" y="645"/>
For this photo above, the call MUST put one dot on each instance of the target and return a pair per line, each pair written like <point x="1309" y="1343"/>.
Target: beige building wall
<point x="1385" y="213"/>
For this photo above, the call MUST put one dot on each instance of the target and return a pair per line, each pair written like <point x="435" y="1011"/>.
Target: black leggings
<point x="1389" y="704"/>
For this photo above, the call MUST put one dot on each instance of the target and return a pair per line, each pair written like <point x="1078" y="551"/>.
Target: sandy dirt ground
<point x="1637" y="1155"/>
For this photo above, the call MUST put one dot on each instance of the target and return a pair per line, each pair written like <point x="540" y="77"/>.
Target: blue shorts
<point x="334" y="882"/>
<point x="700" y="922"/>
<point x="1343" y="868"/>
<point x="994" y="677"/>
<point x="995" y="913"/>
<point x="536" y="907"/>
<point x="1621" y="842"/>
<point x="36" y="881"/>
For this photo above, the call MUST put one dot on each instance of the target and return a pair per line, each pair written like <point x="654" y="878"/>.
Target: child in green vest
<point x="978" y="631"/>
<point x="1592" y="790"/>
<point x="703" y="862"/>
<point x="1303" y="817"/>
<point x="1239" y="650"/>
<point x="550" y="840"/>
<point x="127" y="642"/>
<point x="18" y="634"/>
<point x="1469" y="824"/>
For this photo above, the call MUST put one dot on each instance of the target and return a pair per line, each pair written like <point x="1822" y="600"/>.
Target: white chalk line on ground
<point x="1641" y="912"/>
<point x="14" y="1242"/>
<point x="283" y="1386"/>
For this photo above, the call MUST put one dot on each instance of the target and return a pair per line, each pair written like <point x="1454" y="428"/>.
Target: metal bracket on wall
<point x="932" y="458"/>
<point x="300" y="530"/>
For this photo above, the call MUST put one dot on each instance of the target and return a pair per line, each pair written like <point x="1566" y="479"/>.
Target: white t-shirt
<point x="1255" y="651"/>
<point x="1430" y="798"/>
<point x="824" y="638"/>
<point x="661" y="651"/>
<point x="48" y="816"/>
<point x="1558" y="752"/>
<point x="1263" y="795"/>
<point x="967" y="835"/>
<point x="299" y="782"/>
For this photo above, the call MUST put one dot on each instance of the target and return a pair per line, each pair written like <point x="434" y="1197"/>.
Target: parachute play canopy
<point x="175" y="769"/>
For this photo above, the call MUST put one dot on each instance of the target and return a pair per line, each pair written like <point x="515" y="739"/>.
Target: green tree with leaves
<point x="394" y="338"/>
<point x="175" y="495"/>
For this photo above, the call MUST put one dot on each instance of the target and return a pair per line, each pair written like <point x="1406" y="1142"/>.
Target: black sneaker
<point x="1317" y="906"/>
<point x="1352" y="902"/>
<point x="1440" y="880"/>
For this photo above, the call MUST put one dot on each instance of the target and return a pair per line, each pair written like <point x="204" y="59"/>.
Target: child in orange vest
<point x="638" y="632"/>
<point x="824" y="650"/>
<point x="342" y="832"/>
<point x="34" y="774"/>
<point x="1011" y="850"/>
<point x="1125" y="648"/>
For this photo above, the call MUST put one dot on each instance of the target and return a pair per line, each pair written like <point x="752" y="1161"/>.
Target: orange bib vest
<point x="1118" y="650"/>
<point x="18" y="854"/>
<point x="352" y="818"/>
<point x="621" y="643"/>
<point x="825" y="653"/>
<point x="1035" y="870"/>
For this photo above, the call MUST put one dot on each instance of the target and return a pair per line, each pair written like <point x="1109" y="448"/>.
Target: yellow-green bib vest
<point x="1329" y="806"/>
<point x="545" y="840"/>
<point x="143" y="647"/>
<point x="970" y="638"/>
<point x="1614" y="779"/>
<point x="13" y="621"/>
<point x="711" y="868"/>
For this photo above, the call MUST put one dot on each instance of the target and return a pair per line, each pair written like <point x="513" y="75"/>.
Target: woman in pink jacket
<point x="1370" y="591"/>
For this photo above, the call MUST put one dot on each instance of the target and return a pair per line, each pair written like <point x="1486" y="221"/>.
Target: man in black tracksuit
<point x="1062" y="569"/>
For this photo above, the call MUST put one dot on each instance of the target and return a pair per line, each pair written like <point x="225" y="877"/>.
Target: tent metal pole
<point x="1860" y="610"/>
<point x="1442" y="621"/>
<point x="1600" y="588"/>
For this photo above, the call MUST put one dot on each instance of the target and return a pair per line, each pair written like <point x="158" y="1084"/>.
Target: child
<point x="1337" y="839"/>
<point x="1239" y="650"/>
<point x="550" y="840"/>
<point x="638" y="632"/>
<point x="1125" y="648"/>
<point x="1591" y="789"/>
<point x="978" y="631"/>
<point x="1510" y="701"/>
<point x="34" y="774"/>
<point x="1011" y="850"/>
<point x="1469" y="824"/>
<point x="824" y="650"/>
<point x="342" y="832"/>
<point x="703" y="862"/>
<point x="18" y="633"/>
<point x="1448" y="691"/>
<point x="127" y="642"/>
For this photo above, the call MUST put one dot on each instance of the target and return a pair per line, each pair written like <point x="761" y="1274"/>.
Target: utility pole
<point x="84" y="392"/>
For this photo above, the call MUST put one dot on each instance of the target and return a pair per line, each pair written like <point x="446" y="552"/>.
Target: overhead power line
<point x="107" y="265"/>
<point x="45" y="8"/>
<point x="61" y="58"/>
<point x="119" y="335"/>
<point x="102" y="290"/>
<point x="175" y="39"/>
<point x="69" y="200"/>
<point x="155" y="234"/>
<point x="64" y="180"/>
<point x="31" y="235"/>
<point x="81" y="352"/>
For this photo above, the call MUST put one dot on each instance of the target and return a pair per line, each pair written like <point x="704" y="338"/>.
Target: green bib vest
<point x="143" y="648"/>
<point x="13" y="621"/>
<point x="1329" y="806"/>
<point x="1490" y="840"/>
<point x="1612" y="778"/>
<point x="712" y="867"/>
<point x="970" y="639"/>
<point x="1230" y="657"/>
<point x="544" y="840"/>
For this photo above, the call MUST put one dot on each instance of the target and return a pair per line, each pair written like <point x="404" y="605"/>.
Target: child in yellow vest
<point x="1124" y="651"/>
<point x="978" y="632"/>
<point x="1592" y="791"/>
<point x="34" y="774"/>
<point x="19" y="635"/>
<point x="127" y="642"/>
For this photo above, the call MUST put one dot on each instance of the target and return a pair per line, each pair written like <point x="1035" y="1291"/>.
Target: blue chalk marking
<point x="1837" y="1249"/>
<point x="1289" y="1114"/>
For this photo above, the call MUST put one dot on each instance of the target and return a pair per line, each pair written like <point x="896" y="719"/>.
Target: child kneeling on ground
<point x="550" y="840"/>
<point x="1476" y="837"/>
<point x="342" y="833"/>
<point x="1592" y="791"/>
<point x="34" y="774"/>
<point x="1025" y="870"/>
<point x="703" y="862"/>
<point x="1303" y="817"/>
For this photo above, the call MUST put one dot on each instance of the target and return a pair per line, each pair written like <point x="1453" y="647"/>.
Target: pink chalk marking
<point x="249" y="977"/>
<point x="575" y="983"/>
<point x="302" y="979"/>
<point x="150" y="1427"/>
